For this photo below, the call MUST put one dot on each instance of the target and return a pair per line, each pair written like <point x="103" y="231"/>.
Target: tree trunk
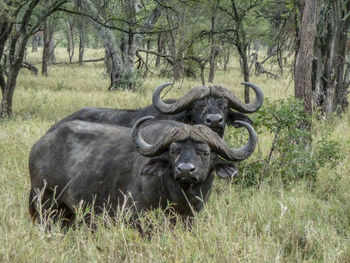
<point x="70" y="40"/>
<point x="176" y="56"/>
<point x="46" y="49"/>
<point x="148" y="47"/>
<point x="213" y="52"/>
<point x="110" y="42"/>
<point x="35" y="42"/>
<point x="280" y="58"/>
<point x="226" y="59"/>
<point x="330" y="77"/>
<point x="242" y="51"/>
<point x="108" y="62"/>
<point x="212" y="62"/>
<point x="82" y="39"/>
<point x="202" y="67"/>
<point x="130" y="57"/>
<point x="16" y="55"/>
<point x="82" y="27"/>
<point x="309" y="11"/>
<point x="52" y="58"/>
<point x="17" y="46"/>
<point x="5" y="30"/>
<point x="160" y="48"/>
<point x="242" y="47"/>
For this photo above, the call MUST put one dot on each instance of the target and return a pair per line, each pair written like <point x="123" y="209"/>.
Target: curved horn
<point x="236" y="104"/>
<point x="244" y="152"/>
<point x="149" y="150"/>
<point x="216" y="143"/>
<point x="139" y="142"/>
<point x="180" y="104"/>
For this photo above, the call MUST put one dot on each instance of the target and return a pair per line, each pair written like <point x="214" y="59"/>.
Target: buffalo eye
<point x="203" y="153"/>
<point x="199" y="107"/>
<point x="175" y="152"/>
<point x="223" y="106"/>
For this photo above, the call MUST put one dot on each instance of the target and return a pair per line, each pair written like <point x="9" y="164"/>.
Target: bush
<point x="294" y="153"/>
<point x="130" y="80"/>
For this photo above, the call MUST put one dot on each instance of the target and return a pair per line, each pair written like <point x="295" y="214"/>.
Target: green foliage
<point x="130" y="80"/>
<point x="291" y="156"/>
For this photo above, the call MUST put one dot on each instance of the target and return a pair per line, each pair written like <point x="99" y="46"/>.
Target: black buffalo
<point x="213" y="106"/>
<point x="112" y="166"/>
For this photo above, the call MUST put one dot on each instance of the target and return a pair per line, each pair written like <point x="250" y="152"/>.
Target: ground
<point x="256" y="224"/>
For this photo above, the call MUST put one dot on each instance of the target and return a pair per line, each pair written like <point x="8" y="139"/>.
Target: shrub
<point x="294" y="153"/>
<point x="130" y="80"/>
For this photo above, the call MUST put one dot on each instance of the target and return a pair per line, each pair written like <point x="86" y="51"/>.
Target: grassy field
<point x="269" y="223"/>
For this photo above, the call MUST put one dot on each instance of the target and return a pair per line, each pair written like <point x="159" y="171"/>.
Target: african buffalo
<point x="212" y="106"/>
<point x="209" y="105"/>
<point x="110" y="166"/>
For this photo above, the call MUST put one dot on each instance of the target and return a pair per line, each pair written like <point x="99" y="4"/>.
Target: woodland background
<point x="292" y="201"/>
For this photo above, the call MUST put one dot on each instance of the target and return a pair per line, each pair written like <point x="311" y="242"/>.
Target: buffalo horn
<point x="217" y="144"/>
<point x="143" y="147"/>
<point x="235" y="103"/>
<point x="241" y="153"/>
<point x="182" y="103"/>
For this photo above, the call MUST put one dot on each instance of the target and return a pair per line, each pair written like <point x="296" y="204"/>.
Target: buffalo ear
<point x="155" y="166"/>
<point x="233" y="116"/>
<point x="183" y="116"/>
<point x="226" y="170"/>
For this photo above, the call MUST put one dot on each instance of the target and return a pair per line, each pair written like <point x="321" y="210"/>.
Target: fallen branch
<point x="77" y="62"/>
<point x="33" y="69"/>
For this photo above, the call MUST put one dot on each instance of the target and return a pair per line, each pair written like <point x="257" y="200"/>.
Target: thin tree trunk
<point x="242" y="46"/>
<point x="82" y="39"/>
<point x="242" y="51"/>
<point x="212" y="62"/>
<point x="46" y="49"/>
<point x="202" y="67"/>
<point x="176" y="58"/>
<point x="160" y="48"/>
<point x="35" y="42"/>
<point x="70" y="40"/>
<point x="226" y="58"/>
<point x="148" y="48"/>
<point x="213" y="52"/>
<point x="52" y="58"/>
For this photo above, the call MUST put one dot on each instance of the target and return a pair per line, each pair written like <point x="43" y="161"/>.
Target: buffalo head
<point x="211" y="106"/>
<point x="192" y="152"/>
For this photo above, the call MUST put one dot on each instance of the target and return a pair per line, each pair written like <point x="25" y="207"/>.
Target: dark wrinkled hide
<point x="128" y="118"/>
<point x="94" y="163"/>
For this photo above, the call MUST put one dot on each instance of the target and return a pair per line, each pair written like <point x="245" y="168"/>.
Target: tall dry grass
<point x="268" y="223"/>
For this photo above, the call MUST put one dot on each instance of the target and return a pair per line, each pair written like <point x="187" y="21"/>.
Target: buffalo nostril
<point x="186" y="167"/>
<point x="213" y="119"/>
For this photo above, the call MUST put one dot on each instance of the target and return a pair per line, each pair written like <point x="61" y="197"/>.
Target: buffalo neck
<point x="185" y="199"/>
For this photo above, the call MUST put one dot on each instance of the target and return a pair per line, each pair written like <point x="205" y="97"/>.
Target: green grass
<point x="269" y="223"/>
